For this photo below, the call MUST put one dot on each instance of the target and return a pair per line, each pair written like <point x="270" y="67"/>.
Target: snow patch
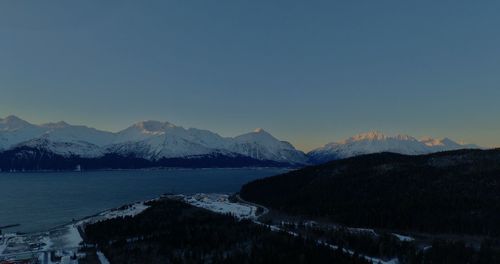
<point x="403" y="238"/>
<point x="219" y="203"/>
<point x="102" y="258"/>
<point x="72" y="238"/>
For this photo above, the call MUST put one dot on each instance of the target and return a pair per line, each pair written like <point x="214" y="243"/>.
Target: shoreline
<point x="107" y="211"/>
<point x="66" y="239"/>
<point x="149" y="169"/>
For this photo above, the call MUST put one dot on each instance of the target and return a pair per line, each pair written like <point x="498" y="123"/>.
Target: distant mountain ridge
<point x="154" y="140"/>
<point x="148" y="140"/>
<point x="376" y="142"/>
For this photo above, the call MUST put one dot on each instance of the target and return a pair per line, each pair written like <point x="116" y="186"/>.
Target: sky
<point x="309" y="72"/>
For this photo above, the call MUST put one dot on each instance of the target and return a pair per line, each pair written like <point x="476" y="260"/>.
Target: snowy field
<point x="219" y="203"/>
<point x="403" y="238"/>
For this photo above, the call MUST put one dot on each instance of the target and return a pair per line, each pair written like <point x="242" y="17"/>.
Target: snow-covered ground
<point x="3" y="242"/>
<point x="102" y="258"/>
<point x="128" y="210"/>
<point x="72" y="238"/>
<point x="403" y="238"/>
<point x="219" y="203"/>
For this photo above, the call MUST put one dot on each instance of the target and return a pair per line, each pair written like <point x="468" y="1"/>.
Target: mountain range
<point x="149" y="140"/>
<point x="155" y="140"/>
<point x="376" y="142"/>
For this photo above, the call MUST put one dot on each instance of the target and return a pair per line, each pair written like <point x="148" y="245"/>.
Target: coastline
<point x="66" y="239"/>
<point x="152" y="169"/>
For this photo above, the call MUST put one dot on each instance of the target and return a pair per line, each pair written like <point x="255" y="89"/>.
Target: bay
<point x="42" y="200"/>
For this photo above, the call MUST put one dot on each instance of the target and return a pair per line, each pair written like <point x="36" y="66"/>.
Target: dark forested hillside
<point x="174" y="232"/>
<point x="449" y="192"/>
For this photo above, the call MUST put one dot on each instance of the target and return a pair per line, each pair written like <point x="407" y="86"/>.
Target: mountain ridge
<point x="154" y="140"/>
<point x="149" y="139"/>
<point x="377" y="142"/>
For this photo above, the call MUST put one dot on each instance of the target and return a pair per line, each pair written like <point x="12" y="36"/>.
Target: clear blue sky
<point x="309" y="72"/>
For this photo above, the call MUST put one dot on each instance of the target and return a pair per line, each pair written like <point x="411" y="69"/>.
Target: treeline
<point x="33" y="159"/>
<point x="174" y="232"/>
<point x="387" y="246"/>
<point x="451" y="192"/>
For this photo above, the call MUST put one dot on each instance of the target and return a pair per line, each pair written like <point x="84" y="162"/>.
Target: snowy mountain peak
<point x="440" y="143"/>
<point x="259" y="144"/>
<point x="377" y="136"/>
<point x="446" y="141"/>
<point x="371" y="135"/>
<point x="375" y="142"/>
<point x="60" y="124"/>
<point x="13" y="118"/>
<point x="429" y="141"/>
<point x="259" y="130"/>
<point x="258" y="135"/>
<point x="153" y="127"/>
<point x="405" y="137"/>
<point x="12" y="122"/>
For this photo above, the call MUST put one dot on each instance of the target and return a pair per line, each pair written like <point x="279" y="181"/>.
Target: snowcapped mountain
<point x="375" y="142"/>
<point x="67" y="149"/>
<point x="14" y="130"/>
<point x="259" y="144"/>
<point x="445" y="144"/>
<point x="63" y="132"/>
<point x="155" y="140"/>
<point x="60" y="138"/>
<point x="151" y="140"/>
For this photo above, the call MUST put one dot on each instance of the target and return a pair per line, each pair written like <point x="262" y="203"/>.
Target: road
<point x="265" y="210"/>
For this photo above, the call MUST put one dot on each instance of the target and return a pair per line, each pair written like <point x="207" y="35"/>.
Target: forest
<point x="171" y="231"/>
<point x="174" y="232"/>
<point x="455" y="192"/>
<point x="386" y="246"/>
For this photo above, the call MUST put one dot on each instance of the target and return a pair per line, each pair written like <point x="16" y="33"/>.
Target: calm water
<point x="40" y="201"/>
